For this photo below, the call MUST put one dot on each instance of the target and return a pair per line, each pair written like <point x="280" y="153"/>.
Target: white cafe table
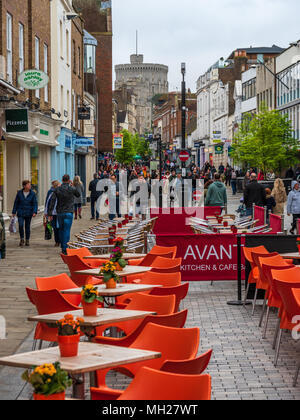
<point x="91" y="357"/>
<point x="126" y="256"/>
<point x="129" y="270"/>
<point x="291" y="256"/>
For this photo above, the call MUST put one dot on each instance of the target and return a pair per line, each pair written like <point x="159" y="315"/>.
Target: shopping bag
<point x="48" y="232"/>
<point x="13" y="225"/>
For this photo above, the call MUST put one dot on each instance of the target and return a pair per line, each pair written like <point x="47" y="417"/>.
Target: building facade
<point x="25" y="43"/>
<point x="146" y="80"/>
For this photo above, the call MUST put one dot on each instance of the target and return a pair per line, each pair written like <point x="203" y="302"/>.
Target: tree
<point x="265" y="140"/>
<point x="126" y="155"/>
<point x="142" y="147"/>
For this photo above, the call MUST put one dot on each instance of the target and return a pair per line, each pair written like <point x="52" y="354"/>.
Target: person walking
<point x="254" y="193"/>
<point x="63" y="198"/>
<point x="216" y="194"/>
<point x="293" y="205"/>
<point x="115" y="194"/>
<point x="280" y="196"/>
<point x="234" y="182"/>
<point x="54" y="221"/>
<point x="25" y="208"/>
<point x="94" y="196"/>
<point x="270" y="202"/>
<point x="78" y="200"/>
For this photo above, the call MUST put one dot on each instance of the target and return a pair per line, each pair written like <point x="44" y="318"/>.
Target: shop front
<point x="26" y="155"/>
<point x="63" y="156"/>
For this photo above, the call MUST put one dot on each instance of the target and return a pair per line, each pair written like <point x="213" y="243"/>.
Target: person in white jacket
<point x="293" y="206"/>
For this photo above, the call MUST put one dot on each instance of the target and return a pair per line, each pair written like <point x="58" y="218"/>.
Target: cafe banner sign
<point x="16" y="120"/>
<point x="33" y="79"/>
<point x="118" y="141"/>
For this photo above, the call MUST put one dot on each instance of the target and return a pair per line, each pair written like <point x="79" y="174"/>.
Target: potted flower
<point x="117" y="254"/>
<point x="90" y="299"/>
<point x="69" y="335"/>
<point x="110" y="278"/>
<point x="49" y="382"/>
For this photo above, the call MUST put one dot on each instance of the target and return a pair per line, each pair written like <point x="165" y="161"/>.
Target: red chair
<point x="189" y="367"/>
<point x="85" y="252"/>
<point x="76" y="264"/>
<point x="149" y="259"/>
<point x="60" y="282"/>
<point x="153" y="385"/>
<point x="48" y="302"/>
<point x="173" y="344"/>
<point x="284" y="282"/>
<point x="180" y="292"/>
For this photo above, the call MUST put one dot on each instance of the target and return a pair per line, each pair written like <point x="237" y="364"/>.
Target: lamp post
<point x="183" y="125"/>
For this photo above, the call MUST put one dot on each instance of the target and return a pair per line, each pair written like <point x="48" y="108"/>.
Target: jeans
<point x="234" y="186"/>
<point x="93" y="204"/>
<point x="295" y="221"/>
<point x="55" y="227"/>
<point x="27" y="222"/>
<point x="65" y="221"/>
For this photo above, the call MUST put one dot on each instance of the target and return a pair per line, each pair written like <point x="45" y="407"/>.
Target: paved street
<point x="241" y="367"/>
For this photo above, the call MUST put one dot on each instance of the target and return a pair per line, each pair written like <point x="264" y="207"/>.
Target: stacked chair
<point x="179" y="373"/>
<point x="280" y="280"/>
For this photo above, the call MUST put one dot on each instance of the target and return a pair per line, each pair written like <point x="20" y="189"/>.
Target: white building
<point x="249" y="98"/>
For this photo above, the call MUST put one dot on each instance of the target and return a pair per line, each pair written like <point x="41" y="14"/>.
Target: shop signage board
<point x="84" y="142"/>
<point x="84" y="113"/>
<point x="16" y="120"/>
<point x="118" y="141"/>
<point x="219" y="150"/>
<point x="33" y="79"/>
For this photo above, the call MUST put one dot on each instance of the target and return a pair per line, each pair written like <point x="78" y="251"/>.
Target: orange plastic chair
<point x="76" y="264"/>
<point x="166" y="265"/>
<point x="60" y="282"/>
<point x="189" y="367"/>
<point x="159" y="305"/>
<point x="273" y="301"/>
<point x="176" y="320"/>
<point x="179" y="291"/>
<point x="153" y="385"/>
<point x="159" y="279"/>
<point x="259" y="282"/>
<point x="150" y="258"/>
<point x="254" y="270"/>
<point x="284" y="286"/>
<point x="163" y="249"/>
<point x="85" y="252"/>
<point x="173" y="344"/>
<point x="48" y="302"/>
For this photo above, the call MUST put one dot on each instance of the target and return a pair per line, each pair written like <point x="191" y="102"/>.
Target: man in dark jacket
<point x="63" y="197"/>
<point x="254" y="193"/>
<point x="94" y="196"/>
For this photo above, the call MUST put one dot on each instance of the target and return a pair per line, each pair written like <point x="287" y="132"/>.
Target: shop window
<point x="1" y="175"/>
<point x="34" y="162"/>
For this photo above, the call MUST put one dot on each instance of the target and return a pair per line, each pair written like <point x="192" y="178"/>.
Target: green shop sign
<point x="33" y="79"/>
<point x="219" y="150"/>
<point x="16" y="120"/>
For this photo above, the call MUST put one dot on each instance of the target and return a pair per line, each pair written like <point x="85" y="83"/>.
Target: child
<point x="242" y="209"/>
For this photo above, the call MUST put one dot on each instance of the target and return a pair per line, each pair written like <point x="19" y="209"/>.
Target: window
<point x="74" y="57"/>
<point x="78" y="105"/>
<point x="46" y="70"/>
<point x="74" y="110"/>
<point x="79" y="62"/>
<point x="37" y="60"/>
<point x="249" y="89"/>
<point x="21" y="48"/>
<point x="61" y="40"/>
<point x="62" y="100"/>
<point x="9" y="71"/>
<point x="68" y="46"/>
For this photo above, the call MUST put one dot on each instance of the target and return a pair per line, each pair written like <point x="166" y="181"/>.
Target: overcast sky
<point x="199" y="32"/>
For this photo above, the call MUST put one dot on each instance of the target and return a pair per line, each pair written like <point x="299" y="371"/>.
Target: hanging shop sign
<point x="16" y="120"/>
<point x="217" y="136"/>
<point x="219" y="150"/>
<point x="33" y="79"/>
<point x="118" y="141"/>
<point x="84" y="113"/>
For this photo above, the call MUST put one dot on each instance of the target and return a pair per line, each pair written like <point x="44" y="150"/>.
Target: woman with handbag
<point x="78" y="200"/>
<point x="25" y="208"/>
<point x="54" y="222"/>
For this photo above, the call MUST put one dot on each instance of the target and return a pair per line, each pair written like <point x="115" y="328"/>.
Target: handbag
<point x="13" y="225"/>
<point x="48" y="232"/>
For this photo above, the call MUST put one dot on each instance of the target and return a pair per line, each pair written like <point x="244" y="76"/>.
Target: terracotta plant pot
<point x="130" y="218"/>
<point x="55" y="397"/>
<point x="111" y="284"/>
<point x="90" y="309"/>
<point x="68" y="345"/>
<point x="120" y="225"/>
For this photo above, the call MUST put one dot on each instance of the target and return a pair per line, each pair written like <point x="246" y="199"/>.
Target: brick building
<point x="25" y="43"/>
<point x="98" y="22"/>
